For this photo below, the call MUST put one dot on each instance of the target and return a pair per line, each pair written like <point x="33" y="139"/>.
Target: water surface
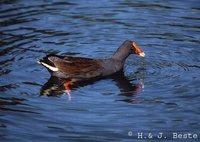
<point x="159" y="93"/>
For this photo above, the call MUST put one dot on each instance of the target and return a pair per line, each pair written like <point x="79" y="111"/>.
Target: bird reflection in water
<point x="57" y="86"/>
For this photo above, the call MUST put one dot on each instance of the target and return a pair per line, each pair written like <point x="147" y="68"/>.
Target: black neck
<point x="123" y="51"/>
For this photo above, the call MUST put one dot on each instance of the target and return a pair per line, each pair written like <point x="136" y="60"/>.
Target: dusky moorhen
<point x="79" y="68"/>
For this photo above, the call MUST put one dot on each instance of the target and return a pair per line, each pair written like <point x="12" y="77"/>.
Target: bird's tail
<point x="47" y="63"/>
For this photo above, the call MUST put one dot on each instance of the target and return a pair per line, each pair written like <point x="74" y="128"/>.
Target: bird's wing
<point x="78" y="66"/>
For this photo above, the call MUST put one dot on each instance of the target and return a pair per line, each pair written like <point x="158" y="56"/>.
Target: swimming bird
<point x="76" y="69"/>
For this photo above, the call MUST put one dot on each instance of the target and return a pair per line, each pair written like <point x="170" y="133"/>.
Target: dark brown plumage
<point x="79" y="68"/>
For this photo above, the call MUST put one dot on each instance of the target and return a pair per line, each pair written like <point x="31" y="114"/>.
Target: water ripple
<point x="160" y="89"/>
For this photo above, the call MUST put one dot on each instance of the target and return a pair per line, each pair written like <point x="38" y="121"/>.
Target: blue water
<point x="160" y="93"/>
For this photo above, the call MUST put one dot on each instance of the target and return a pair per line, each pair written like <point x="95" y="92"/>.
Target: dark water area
<point x="158" y="93"/>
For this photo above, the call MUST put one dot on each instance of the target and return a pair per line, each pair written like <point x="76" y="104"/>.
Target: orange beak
<point x="138" y="50"/>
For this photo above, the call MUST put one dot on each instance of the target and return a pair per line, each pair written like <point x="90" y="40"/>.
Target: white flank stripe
<point x="38" y="62"/>
<point x="49" y="67"/>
